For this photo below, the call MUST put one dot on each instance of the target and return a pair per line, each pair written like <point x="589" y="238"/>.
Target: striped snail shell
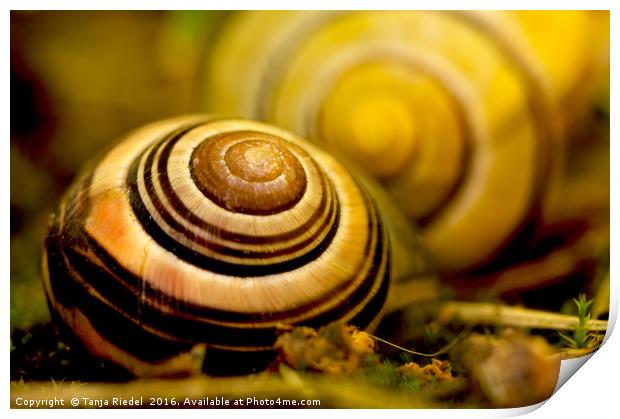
<point x="199" y="232"/>
<point x="453" y="112"/>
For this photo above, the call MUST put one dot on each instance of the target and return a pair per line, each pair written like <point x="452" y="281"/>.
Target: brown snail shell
<point x="199" y="232"/>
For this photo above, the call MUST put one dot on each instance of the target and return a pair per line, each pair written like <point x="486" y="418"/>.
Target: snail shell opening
<point x="199" y="232"/>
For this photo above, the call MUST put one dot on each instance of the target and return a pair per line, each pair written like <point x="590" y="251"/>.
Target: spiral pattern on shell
<point x="451" y="111"/>
<point x="201" y="231"/>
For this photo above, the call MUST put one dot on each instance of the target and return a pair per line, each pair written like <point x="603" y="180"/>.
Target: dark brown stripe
<point x="186" y="213"/>
<point x="122" y="288"/>
<point x="132" y="286"/>
<point x="127" y="286"/>
<point x="180" y="208"/>
<point x="204" y="261"/>
<point x="112" y="326"/>
<point x="380" y="262"/>
<point x="120" y="329"/>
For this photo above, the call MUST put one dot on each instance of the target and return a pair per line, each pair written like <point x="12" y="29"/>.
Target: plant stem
<point x="503" y="315"/>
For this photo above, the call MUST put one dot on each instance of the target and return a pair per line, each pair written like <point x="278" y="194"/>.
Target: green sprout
<point x="580" y="337"/>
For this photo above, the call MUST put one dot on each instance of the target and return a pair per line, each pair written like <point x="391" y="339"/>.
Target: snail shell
<point x="452" y="112"/>
<point x="197" y="232"/>
<point x="574" y="72"/>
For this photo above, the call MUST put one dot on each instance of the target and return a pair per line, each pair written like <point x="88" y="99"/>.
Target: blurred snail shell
<point x="198" y="231"/>
<point x="453" y="112"/>
<point x="574" y="72"/>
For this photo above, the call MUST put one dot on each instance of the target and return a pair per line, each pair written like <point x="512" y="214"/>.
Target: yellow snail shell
<point x="455" y="113"/>
<point x="197" y="231"/>
<point x="569" y="45"/>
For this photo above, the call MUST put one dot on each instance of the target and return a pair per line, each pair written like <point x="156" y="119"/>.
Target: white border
<point x="307" y="5"/>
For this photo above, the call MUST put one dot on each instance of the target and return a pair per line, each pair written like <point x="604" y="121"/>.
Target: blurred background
<point x="79" y="80"/>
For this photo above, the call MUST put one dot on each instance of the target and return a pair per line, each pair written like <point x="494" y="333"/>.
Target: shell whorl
<point x="204" y="231"/>
<point x="443" y="108"/>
